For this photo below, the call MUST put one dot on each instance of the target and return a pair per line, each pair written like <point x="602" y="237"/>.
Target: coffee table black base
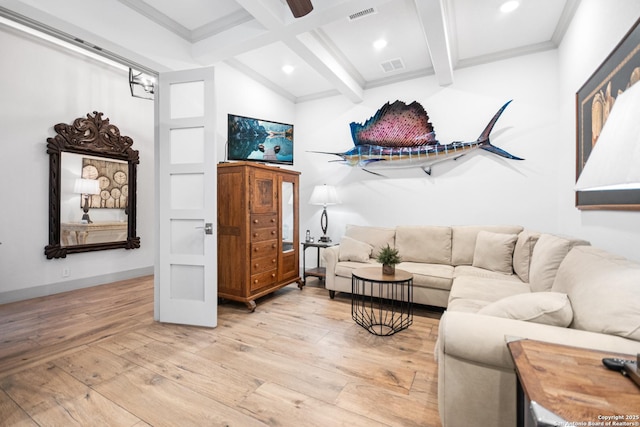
<point x="382" y="304"/>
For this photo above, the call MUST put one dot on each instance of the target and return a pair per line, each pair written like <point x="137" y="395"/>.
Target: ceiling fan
<point x="300" y="8"/>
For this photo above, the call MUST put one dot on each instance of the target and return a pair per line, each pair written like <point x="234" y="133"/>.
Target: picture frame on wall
<point x="594" y="101"/>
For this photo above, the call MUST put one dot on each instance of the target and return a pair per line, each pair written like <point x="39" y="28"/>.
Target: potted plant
<point x="388" y="257"/>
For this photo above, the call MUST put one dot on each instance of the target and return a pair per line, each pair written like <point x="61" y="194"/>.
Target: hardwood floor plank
<point x="11" y="414"/>
<point x="96" y="357"/>
<point x="387" y="406"/>
<point x="277" y="405"/>
<point x="160" y="401"/>
<point x="209" y="378"/>
<point x="124" y="343"/>
<point x="93" y="365"/>
<point x="52" y="397"/>
<point x="278" y="368"/>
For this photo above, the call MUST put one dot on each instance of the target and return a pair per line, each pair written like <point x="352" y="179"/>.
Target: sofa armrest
<point x="481" y="339"/>
<point x="330" y="257"/>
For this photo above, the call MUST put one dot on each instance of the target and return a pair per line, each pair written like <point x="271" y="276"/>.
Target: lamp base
<point x="324" y="239"/>
<point x="85" y="219"/>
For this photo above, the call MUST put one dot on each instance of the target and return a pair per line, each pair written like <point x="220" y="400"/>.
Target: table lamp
<point x="86" y="187"/>
<point x="324" y="195"/>
<point x="614" y="162"/>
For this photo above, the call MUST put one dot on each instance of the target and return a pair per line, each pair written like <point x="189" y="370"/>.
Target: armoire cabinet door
<point x="289" y="230"/>
<point x="263" y="192"/>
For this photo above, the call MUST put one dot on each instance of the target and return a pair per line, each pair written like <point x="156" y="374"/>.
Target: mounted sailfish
<point x="400" y="135"/>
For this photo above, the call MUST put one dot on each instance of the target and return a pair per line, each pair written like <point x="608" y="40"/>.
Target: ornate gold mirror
<point x="92" y="188"/>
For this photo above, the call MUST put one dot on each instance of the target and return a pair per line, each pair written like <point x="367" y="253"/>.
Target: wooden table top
<point x="573" y="383"/>
<point x="94" y="226"/>
<point x="375" y="274"/>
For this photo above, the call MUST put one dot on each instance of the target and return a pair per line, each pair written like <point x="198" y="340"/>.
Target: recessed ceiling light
<point x="379" y="44"/>
<point x="509" y="6"/>
<point x="287" y="69"/>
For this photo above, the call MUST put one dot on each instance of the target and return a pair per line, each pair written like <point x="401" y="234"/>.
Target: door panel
<point x="186" y="271"/>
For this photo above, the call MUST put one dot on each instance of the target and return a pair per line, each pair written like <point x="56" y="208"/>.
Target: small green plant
<point x="388" y="256"/>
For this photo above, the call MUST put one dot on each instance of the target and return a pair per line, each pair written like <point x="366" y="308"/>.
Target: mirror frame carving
<point x="91" y="135"/>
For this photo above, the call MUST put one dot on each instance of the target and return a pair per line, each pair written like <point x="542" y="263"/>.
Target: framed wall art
<point x="594" y="101"/>
<point x="113" y="178"/>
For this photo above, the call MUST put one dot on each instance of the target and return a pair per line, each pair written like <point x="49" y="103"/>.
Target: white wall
<point x="47" y="84"/>
<point x="43" y="85"/>
<point x="238" y="94"/>
<point x="479" y="188"/>
<point x="597" y="28"/>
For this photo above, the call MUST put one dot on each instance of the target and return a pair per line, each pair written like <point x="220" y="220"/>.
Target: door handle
<point x="208" y="228"/>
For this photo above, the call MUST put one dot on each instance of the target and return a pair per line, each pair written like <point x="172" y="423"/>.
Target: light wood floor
<point x="96" y="357"/>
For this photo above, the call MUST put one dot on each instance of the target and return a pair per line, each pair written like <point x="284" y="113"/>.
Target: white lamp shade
<point x="324" y="195"/>
<point x="86" y="186"/>
<point x="614" y="162"/>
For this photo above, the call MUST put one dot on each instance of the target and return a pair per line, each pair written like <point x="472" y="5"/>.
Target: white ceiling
<point x="329" y="53"/>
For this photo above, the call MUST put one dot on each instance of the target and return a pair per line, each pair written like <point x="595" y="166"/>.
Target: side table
<point x="560" y="385"/>
<point x="316" y="271"/>
<point x="382" y="303"/>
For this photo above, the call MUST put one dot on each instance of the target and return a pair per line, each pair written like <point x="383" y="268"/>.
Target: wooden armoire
<point x="258" y="232"/>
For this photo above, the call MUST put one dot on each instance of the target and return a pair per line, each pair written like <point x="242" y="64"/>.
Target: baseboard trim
<point x="71" y="285"/>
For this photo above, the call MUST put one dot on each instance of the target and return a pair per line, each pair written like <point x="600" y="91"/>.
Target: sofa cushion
<point x="485" y="289"/>
<point x="377" y="237"/>
<point x="354" y="250"/>
<point x="437" y="276"/>
<point x="494" y="251"/>
<point x="548" y="308"/>
<point x="428" y="244"/>
<point x="548" y="253"/>
<point x="468" y="270"/>
<point x="604" y="290"/>
<point x="463" y="240"/>
<point x="523" y="253"/>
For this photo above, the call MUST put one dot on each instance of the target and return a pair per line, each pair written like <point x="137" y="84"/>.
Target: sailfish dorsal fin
<point x="395" y="125"/>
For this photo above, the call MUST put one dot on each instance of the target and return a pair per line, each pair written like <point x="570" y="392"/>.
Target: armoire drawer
<point x="262" y="234"/>
<point x="264" y="248"/>
<point x="264" y="220"/>
<point x="261" y="280"/>
<point x="262" y="264"/>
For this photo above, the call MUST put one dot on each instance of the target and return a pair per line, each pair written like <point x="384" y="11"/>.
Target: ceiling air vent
<point x="362" y="14"/>
<point x="392" y="65"/>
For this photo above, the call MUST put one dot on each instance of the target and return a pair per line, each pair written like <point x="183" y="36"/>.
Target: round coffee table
<point x="382" y="303"/>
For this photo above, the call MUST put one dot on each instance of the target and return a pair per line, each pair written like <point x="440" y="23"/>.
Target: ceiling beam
<point x="274" y="23"/>
<point x="315" y="53"/>
<point x="432" y="18"/>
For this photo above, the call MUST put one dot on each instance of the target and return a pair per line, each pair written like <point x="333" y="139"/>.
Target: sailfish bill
<point x="400" y="136"/>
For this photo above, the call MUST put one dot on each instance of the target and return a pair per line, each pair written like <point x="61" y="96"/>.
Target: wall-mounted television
<point x="259" y="140"/>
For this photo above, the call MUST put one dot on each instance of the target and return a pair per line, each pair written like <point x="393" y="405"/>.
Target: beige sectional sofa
<point x="434" y="254"/>
<point x="497" y="283"/>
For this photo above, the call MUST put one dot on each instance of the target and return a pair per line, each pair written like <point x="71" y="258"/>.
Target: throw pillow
<point x="377" y="237"/>
<point x="354" y="250"/>
<point x="548" y="253"/>
<point x="494" y="251"/>
<point x="523" y="252"/>
<point x="604" y="289"/>
<point x="463" y="240"/>
<point x="548" y="308"/>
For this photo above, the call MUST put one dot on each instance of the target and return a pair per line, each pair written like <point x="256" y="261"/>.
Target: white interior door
<point x="186" y="267"/>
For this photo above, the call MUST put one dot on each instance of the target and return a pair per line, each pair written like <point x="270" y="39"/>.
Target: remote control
<point x="616" y="364"/>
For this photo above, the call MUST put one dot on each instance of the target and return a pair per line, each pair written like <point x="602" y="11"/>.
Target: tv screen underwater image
<point x="259" y="140"/>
